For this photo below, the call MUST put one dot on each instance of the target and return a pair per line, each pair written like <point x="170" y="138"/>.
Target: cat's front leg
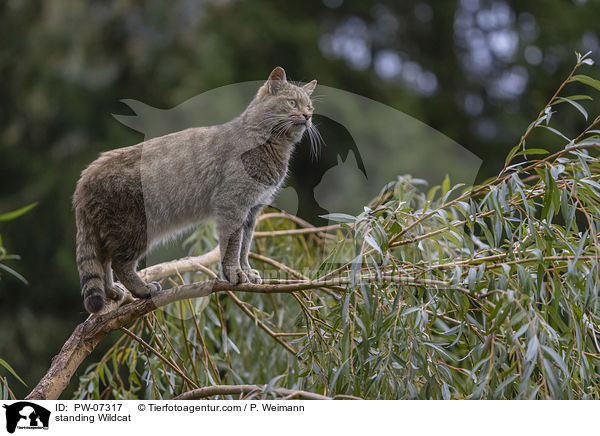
<point x="230" y="240"/>
<point x="247" y="233"/>
<point x="126" y="274"/>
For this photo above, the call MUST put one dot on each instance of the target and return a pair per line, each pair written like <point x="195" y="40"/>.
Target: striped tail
<point x="91" y="272"/>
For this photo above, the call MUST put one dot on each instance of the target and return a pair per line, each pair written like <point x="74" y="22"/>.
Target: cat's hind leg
<point x="112" y="290"/>
<point x="131" y="280"/>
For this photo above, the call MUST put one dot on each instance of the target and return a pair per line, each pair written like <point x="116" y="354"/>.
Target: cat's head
<point x="286" y="107"/>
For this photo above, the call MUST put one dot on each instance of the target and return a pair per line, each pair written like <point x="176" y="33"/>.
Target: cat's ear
<point x="276" y="80"/>
<point x="310" y="87"/>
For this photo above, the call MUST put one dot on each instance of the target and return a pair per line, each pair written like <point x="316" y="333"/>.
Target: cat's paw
<point x="116" y="292"/>
<point x="148" y="291"/>
<point x="154" y="288"/>
<point x="253" y="276"/>
<point x="235" y="276"/>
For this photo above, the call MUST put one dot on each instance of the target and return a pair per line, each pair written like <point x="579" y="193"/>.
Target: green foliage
<point x="486" y="292"/>
<point x="3" y="253"/>
<point x="5" y="392"/>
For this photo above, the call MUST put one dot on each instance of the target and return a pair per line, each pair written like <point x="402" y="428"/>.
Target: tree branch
<point x="186" y="264"/>
<point x="302" y="231"/>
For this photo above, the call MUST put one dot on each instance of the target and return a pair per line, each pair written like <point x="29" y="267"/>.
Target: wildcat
<point x="131" y="198"/>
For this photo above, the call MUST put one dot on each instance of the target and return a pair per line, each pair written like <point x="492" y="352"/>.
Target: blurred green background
<point x="477" y="71"/>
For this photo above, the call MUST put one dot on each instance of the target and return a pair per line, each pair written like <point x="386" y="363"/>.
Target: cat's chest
<point x="266" y="165"/>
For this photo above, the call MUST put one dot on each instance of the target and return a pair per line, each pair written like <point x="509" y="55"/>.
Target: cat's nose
<point x="307" y="116"/>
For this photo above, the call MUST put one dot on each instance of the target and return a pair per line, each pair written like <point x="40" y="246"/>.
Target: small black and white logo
<point x="26" y="415"/>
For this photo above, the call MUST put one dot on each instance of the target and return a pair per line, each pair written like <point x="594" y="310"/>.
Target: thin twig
<point x="261" y="324"/>
<point x="302" y="231"/>
<point x="159" y="355"/>
<point x="211" y="391"/>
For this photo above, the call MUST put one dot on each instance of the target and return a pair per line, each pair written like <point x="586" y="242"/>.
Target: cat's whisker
<point x="286" y="126"/>
<point x="276" y="129"/>
<point x="270" y="118"/>
<point x="309" y="133"/>
<point x="311" y="139"/>
<point x="316" y="140"/>
<point x="318" y="135"/>
<point x="282" y="129"/>
<point x="314" y="146"/>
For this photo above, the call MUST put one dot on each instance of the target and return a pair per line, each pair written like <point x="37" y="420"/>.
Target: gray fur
<point x="132" y="198"/>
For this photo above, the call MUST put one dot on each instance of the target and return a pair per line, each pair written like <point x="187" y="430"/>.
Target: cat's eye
<point x="293" y="103"/>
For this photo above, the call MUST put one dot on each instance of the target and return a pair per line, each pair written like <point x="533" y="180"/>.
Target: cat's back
<point x="180" y="170"/>
<point x="110" y="171"/>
